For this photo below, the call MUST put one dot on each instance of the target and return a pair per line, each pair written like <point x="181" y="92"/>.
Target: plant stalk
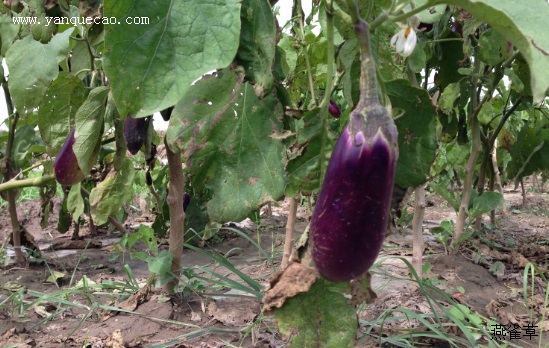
<point x="418" y="244"/>
<point x="488" y="148"/>
<point x="15" y="184"/>
<point x="470" y="168"/>
<point x="497" y="176"/>
<point x="177" y="215"/>
<point x="289" y="238"/>
<point x="8" y="173"/>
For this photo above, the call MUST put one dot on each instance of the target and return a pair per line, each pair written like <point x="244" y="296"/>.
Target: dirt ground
<point x="486" y="276"/>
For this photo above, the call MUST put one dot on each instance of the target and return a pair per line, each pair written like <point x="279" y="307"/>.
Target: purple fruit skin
<point x="67" y="171"/>
<point x="334" y="110"/>
<point x="350" y="219"/>
<point x="135" y="130"/>
<point x="186" y="201"/>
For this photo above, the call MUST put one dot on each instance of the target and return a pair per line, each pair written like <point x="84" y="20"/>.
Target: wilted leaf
<point x="256" y="51"/>
<point x="110" y="195"/>
<point x="55" y="276"/>
<point x="303" y="168"/>
<point x="295" y="279"/>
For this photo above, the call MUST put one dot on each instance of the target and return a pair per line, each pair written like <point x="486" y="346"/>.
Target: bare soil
<point x="486" y="276"/>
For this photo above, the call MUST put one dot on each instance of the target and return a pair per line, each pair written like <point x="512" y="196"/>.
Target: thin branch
<point x="16" y="184"/>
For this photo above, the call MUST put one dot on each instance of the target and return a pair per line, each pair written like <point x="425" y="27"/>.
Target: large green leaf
<point x="257" y="44"/>
<point x="56" y="113"/>
<point x="33" y="66"/>
<point x="110" y="195"/>
<point x="529" y="153"/>
<point x="525" y="25"/>
<point x="486" y="202"/>
<point x="89" y="122"/>
<point x="416" y="132"/>
<point x="225" y="132"/>
<point x="320" y="317"/>
<point x="151" y="66"/>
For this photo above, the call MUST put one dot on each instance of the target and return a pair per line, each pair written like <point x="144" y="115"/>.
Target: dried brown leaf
<point x="295" y="279"/>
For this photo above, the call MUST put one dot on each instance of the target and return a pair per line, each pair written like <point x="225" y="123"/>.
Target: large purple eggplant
<point x="352" y="211"/>
<point x="66" y="168"/>
<point x="135" y="131"/>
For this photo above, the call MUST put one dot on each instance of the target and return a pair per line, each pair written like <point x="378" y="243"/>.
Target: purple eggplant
<point x="352" y="211"/>
<point x="135" y="131"/>
<point x="186" y="201"/>
<point x="66" y="168"/>
<point x="334" y="109"/>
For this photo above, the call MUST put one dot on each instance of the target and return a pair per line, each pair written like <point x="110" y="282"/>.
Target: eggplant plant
<point x="248" y="102"/>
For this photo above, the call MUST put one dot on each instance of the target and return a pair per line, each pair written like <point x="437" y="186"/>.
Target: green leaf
<point x="321" y="317"/>
<point x="147" y="236"/>
<point x="33" y="66"/>
<point x="56" y="113"/>
<point x="348" y="53"/>
<point x="225" y="132"/>
<point x="448" y="98"/>
<point x="493" y="47"/>
<point x="8" y="33"/>
<point x="430" y="15"/>
<point x="286" y="43"/>
<point x="256" y="51"/>
<point x="89" y="122"/>
<point x="457" y="155"/>
<point x="25" y="138"/>
<point x="160" y="264"/>
<point x="110" y="195"/>
<point x="416" y="132"/>
<point x="417" y="59"/>
<point x="151" y="66"/>
<point x="485" y="203"/>
<point x="486" y="113"/>
<point x="303" y="168"/>
<point x="525" y="25"/>
<point x="516" y="82"/>
<point x="447" y="58"/>
<point x="529" y="153"/>
<point x="75" y="202"/>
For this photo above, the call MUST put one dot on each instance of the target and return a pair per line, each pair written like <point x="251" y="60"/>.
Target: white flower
<point x="405" y="41"/>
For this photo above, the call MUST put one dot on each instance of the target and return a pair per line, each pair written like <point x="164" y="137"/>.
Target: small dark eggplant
<point x="66" y="168"/>
<point x="334" y="109"/>
<point x="166" y="113"/>
<point x="186" y="201"/>
<point x="135" y="131"/>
